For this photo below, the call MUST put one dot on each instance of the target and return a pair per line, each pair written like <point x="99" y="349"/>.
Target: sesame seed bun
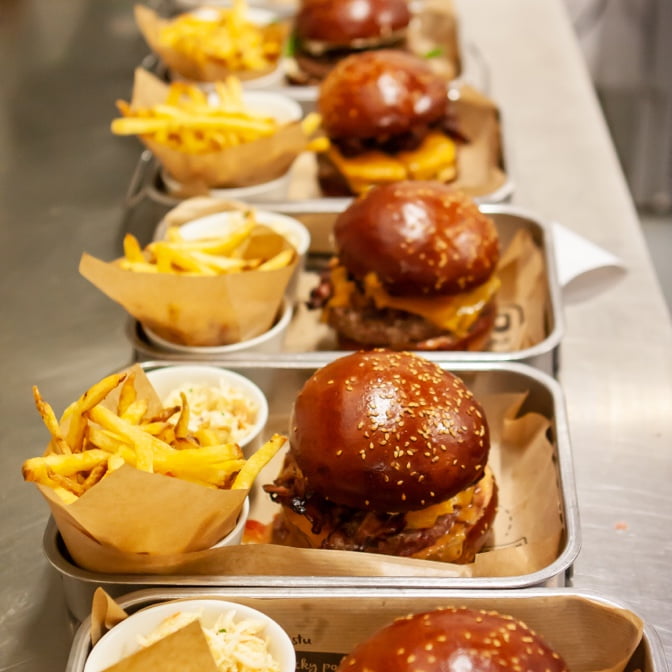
<point x="454" y="640"/>
<point x="388" y="432"/>
<point x="382" y="92"/>
<point x="342" y="22"/>
<point x="420" y="238"/>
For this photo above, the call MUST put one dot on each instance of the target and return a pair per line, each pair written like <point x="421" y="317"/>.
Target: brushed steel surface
<point x="63" y="179"/>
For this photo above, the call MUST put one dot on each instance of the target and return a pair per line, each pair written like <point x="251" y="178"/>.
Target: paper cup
<point x="270" y="341"/>
<point x="221" y="223"/>
<point x="123" y="639"/>
<point x="167" y="379"/>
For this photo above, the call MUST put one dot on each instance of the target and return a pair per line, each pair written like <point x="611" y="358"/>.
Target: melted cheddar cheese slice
<point x="455" y="313"/>
<point x="433" y="159"/>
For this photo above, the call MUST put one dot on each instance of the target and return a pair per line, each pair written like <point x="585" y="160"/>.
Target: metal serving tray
<point x="280" y="382"/>
<point x="318" y="217"/>
<point x="304" y="613"/>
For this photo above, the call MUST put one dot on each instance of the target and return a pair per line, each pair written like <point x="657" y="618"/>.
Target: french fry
<point x="35" y="468"/>
<point x="106" y="440"/>
<point x="127" y="393"/>
<point x="208" y="256"/>
<point x="58" y="443"/>
<point x="135" y="412"/>
<point x="182" y="424"/>
<point x="257" y="461"/>
<point x="132" y="249"/>
<point x="92" y="397"/>
<point x="280" y="260"/>
<point x="145" y="445"/>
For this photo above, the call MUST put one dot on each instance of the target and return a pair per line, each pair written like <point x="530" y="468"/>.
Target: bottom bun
<point x="452" y="531"/>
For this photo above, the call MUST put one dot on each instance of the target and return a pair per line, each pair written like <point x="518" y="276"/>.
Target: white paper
<point x="575" y="255"/>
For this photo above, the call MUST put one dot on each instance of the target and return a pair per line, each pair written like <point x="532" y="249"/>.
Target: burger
<point x="326" y="31"/>
<point x="414" y="270"/>
<point x="454" y="640"/>
<point x="387" y="454"/>
<point x="387" y="117"/>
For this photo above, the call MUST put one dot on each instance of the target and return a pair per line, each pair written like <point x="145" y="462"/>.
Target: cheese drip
<point x="455" y="313"/>
<point x="434" y="159"/>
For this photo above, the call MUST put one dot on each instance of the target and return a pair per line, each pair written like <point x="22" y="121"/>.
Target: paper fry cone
<point x="199" y="310"/>
<point x="254" y="162"/>
<point x="201" y="68"/>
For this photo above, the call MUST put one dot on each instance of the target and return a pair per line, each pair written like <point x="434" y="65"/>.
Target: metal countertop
<point x="62" y="182"/>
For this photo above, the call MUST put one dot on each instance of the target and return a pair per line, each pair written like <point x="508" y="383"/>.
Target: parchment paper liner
<point x="247" y="164"/>
<point x="150" y="25"/>
<point x="479" y="161"/>
<point x="590" y="636"/>
<point x="200" y="310"/>
<point x="521" y="304"/>
<point x="137" y="512"/>
<point x="528" y="528"/>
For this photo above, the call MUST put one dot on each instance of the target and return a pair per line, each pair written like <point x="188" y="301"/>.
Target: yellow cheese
<point x="455" y="313"/>
<point x="433" y="159"/>
<point x="435" y="153"/>
<point x="425" y="518"/>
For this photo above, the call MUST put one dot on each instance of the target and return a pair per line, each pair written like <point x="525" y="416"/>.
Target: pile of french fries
<point x="204" y="256"/>
<point x="190" y="122"/>
<point x="91" y="440"/>
<point x="225" y="37"/>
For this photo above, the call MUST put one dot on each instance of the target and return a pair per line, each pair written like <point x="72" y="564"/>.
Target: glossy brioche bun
<point x="420" y="238"/>
<point x="380" y="93"/>
<point x="454" y="640"/>
<point x="340" y="22"/>
<point x="388" y="431"/>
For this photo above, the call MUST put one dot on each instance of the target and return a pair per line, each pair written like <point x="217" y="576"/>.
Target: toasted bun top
<point x="344" y="21"/>
<point x="382" y="92"/>
<point x="454" y="640"/>
<point x="388" y="431"/>
<point x="420" y="238"/>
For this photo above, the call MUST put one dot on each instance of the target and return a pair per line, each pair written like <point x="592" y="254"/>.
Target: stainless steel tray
<point x="304" y="612"/>
<point x="280" y="382"/>
<point x="318" y="216"/>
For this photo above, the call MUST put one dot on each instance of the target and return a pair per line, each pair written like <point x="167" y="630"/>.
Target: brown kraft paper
<point x="527" y="532"/>
<point x="590" y="635"/>
<point x="200" y="310"/>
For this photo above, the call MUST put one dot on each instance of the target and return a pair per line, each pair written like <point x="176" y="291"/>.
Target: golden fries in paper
<point x="220" y="145"/>
<point x="201" y="293"/>
<point x="208" y="46"/>
<point x="133" y="489"/>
